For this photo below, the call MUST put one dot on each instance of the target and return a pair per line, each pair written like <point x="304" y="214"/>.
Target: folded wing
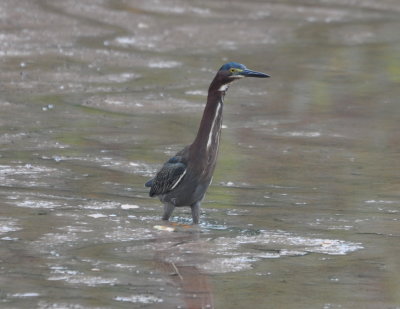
<point x="168" y="177"/>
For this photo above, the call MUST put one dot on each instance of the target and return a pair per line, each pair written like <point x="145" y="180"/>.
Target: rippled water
<point x="304" y="207"/>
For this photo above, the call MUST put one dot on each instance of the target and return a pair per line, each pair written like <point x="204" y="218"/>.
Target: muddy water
<point x="304" y="207"/>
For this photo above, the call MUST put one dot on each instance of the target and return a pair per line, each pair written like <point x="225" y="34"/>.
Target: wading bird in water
<point x="183" y="179"/>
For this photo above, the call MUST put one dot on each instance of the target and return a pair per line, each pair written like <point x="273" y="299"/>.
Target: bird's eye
<point x="233" y="70"/>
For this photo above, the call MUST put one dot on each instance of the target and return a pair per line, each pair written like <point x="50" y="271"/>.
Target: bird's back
<point x="182" y="180"/>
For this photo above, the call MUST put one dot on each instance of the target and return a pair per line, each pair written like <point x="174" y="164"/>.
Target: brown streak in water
<point x="196" y="288"/>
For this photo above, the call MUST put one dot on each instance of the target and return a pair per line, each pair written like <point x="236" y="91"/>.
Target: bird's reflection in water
<point x="178" y="255"/>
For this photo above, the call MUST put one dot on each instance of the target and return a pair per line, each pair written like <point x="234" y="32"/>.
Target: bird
<point x="184" y="179"/>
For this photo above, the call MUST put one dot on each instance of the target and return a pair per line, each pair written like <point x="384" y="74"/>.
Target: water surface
<point x="304" y="207"/>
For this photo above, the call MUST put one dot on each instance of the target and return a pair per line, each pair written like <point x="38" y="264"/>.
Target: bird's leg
<point x="168" y="209"/>
<point x="195" y="212"/>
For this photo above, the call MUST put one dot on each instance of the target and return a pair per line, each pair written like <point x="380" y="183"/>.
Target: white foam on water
<point x="120" y="234"/>
<point x="128" y="206"/>
<point x="380" y="202"/>
<point x="143" y="299"/>
<point x="125" y="40"/>
<point x="81" y="279"/>
<point x="239" y="253"/>
<point x="99" y="205"/>
<point x="123" y="77"/>
<point x="8" y="225"/>
<point x="37" y="204"/>
<point x="226" y="265"/>
<point x="33" y="175"/>
<point x="24" y="295"/>
<point x="302" y="134"/>
<point x="97" y="215"/>
<point x="164" y="64"/>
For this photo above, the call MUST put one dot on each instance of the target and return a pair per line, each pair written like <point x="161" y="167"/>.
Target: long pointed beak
<point x="250" y="73"/>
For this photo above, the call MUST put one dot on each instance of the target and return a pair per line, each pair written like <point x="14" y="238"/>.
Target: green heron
<point x="183" y="179"/>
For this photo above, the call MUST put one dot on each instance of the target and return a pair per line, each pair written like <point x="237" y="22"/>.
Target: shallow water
<point x="304" y="208"/>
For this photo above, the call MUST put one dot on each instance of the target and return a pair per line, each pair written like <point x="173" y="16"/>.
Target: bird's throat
<point x="208" y="136"/>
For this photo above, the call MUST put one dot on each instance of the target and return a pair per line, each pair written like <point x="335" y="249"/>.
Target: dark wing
<point x="168" y="177"/>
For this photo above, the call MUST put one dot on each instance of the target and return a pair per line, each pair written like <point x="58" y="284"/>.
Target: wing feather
<point x="168" y="177"/>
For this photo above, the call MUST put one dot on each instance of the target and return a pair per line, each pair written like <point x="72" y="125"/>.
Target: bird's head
<point x="232" y="71"/>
